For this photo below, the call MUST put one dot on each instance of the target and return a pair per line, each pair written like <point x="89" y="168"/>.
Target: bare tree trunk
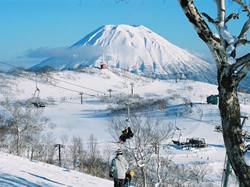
<point x="144" y="176"/>
<point x="18" y="142"/>
<point x="158" y="169"/>
<point x="230" y="117"/>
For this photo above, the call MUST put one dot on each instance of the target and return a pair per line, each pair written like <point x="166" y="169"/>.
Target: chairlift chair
<point x="36" y="99"/>
<point x="177" y="141"/>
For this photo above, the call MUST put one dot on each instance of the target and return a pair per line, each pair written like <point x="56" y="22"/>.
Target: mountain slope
<point x="136" y="49"/>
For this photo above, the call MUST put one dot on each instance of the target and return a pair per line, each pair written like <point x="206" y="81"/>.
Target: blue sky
<point x="27" y="25"/>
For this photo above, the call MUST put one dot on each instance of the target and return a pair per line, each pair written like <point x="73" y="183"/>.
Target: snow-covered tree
<point x="231" y="70"/>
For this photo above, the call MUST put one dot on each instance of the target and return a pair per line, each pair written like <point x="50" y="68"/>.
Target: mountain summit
<point x="136" y="49"/>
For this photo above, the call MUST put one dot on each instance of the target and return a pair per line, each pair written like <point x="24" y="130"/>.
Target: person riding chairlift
<point x="126" y="134"/>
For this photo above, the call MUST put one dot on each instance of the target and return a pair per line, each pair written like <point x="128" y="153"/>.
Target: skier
<point x="126" y="134"/>
<point x="118" y="169"/>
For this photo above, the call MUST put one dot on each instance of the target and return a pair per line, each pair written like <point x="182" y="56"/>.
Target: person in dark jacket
<point x="126" y="134"/>
<point x="118" y="169"/>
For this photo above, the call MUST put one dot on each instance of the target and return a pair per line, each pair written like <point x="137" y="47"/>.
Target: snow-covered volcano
<point x="136" y="49"/>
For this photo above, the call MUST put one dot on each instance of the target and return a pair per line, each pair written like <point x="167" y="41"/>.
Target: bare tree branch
<point x="245" y="63"/>
<point x="233" y="15"/>
<point x="243" y="5"/>
<point x="242" y="38"/>
<point x="209" y="19"/>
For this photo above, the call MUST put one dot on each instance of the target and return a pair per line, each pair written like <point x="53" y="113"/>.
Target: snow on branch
<point x="231" y="40"/>
<point x="222" y="29"/>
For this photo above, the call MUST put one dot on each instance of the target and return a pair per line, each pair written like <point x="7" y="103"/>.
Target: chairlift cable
<point x="8" y="64"/>
<point x="77" y="85"/>
<point x="58" y="86"/>
<point x="162" y="112"/>
<point x="60" y="80"/>
<point x="208" y="122"/>
<point x="62" y="87"/>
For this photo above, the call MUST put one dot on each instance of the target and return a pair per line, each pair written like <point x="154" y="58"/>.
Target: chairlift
<point x="36" y="99"/>
<point x="177" y="142"/>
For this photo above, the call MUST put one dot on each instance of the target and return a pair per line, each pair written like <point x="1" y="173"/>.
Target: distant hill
<point x="136" y="49"/>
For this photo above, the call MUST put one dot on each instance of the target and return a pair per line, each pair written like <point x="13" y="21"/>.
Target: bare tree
<point x="49" y="148"/>
<point x="4" y="130"/>
<point x="77" y="152"/>
<point x="94" y="160"/>
<point x="198" y="170"/>
<point x="149" y="133"/>
<point x="177" y="175"/>
<point x="231" y="70"/>
<point x="24" y="122"/>
<point x="107" y="156"/>
<point x="65" y="152"/>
